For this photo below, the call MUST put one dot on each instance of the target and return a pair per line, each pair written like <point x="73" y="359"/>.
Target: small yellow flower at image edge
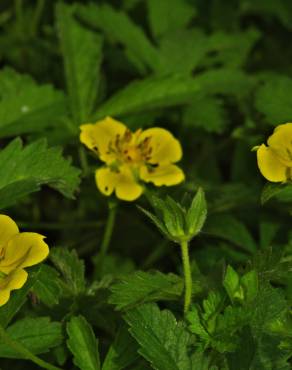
<point x="132" y="157"/>
<point x="17" y="251"/>
<point x="275" y="159"/>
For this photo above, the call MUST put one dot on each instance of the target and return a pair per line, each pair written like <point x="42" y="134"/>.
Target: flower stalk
<point x="108" y="231"/>
<point x="187" y="275"/>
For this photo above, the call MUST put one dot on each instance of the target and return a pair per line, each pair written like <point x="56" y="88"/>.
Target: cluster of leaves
<point x="218" y="75"/>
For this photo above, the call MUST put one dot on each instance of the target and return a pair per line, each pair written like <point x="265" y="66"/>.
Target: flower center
<point x="129" y="149"/>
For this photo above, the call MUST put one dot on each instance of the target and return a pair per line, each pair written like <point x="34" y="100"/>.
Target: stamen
<point x="2" y="254"/>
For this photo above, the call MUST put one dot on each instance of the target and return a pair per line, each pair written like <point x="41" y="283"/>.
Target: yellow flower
<point x="275" y="160"/>
<point x="130" y="158"/>
<point x="17" y="251"/>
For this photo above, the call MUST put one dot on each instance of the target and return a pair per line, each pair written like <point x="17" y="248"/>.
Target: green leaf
<point x="120" y="29"/>
<point x="48" y="287"/>
<point x="38" y="335"/>
<point x="228" y="327"/>
<point x="196" y="326"/>
<point x="157" y="222"/>
<point x="169" y="15"/>
<point x="173" y="217"/>
<point x="249" y="282"/>
<point x="227" y="81"/>
<point x="82" y="54"/>
<point x="122" y="353"/>
<point x="163" y="341"/>
<point x="197" y="213"/>
<point x="83" y="344"/>
<point x="24" y="169"/>
<point x="181" y="51"/>
<point x="242" y="358"/>
<point x="268" y="307"/>
<point x="231" y="283"/>
<point x="229" y="228"/>
<point x="142" y="287"/>
<point x="207" y="113"/>
<point x="26" y="107"/>
<point x="230" y="49"/>
<point x="160" y="92"/>
<point x="150" y="93"/>
<point x="273" y="99"/>
<point x="71" y="268"/>
<point x="18" y="297"/>
<point x="270" y="191"/>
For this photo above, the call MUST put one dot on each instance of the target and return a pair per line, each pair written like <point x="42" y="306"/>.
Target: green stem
<point x="37" y="16"/>
<point x="108" y="231"/>
<point x="19" y="348"/>
<point x="83" y="162"/>
<point x="187" y="274"/>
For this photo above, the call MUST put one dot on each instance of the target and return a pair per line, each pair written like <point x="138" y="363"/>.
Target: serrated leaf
<point x="276" y="190"/>
<point x="38" y="335"/>
<point x="227" y="81"/>
<point x="250" y="284"/>
<point x="174" y="217"/>
<point x="157" y="222"/>
<point x="212" y="305"/>
<point x="160" y="92"/>
<point x="121" y="29"/>
<point x="48" y="287"/>
<point x="83" y="344"/>
<point x="122" y="352"/>
<point x="181" y="51"/>
<point x="207" y="113"/>
<point x="169" y="15"/>
<point x="231" y="282"/>
<point x="150" y="93"/>
<point x="197" y="213"/>
<point x="242" y="358"/>
<point x="196" y="326"/>
<point x="82" y="54"/>
<point x="24" y="169"/>
<point x="163" y="341"/>
<point x="71" y="268"/>
<point x="268" y="307"/>
<point x="230" y="49"/>
<point x="25" y="106"/>
<point x="273" y="99"/>
<point x="142" y="287"/>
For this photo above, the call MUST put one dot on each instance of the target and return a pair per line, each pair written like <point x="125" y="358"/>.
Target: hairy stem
<point x="108" y="231"/>
<point x="187" y="275"/>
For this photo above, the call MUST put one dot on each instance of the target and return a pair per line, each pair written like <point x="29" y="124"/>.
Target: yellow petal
<point x="270" y="165"/>
<point x="281" y="143"/>
<point x="122" y="181"/>
<point x="98" y="136"/>
<point x="162" y="175"/>
<point x="8" y="229"/>
<point x="15" y="280"/>
<point x="106" y="180"/>
<point x="165" y="148"/>
<point x="127" y="187"/>
<point x="23" y="250"/>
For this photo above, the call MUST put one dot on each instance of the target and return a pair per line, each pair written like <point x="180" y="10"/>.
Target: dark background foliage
<point x="215" y="73"/>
